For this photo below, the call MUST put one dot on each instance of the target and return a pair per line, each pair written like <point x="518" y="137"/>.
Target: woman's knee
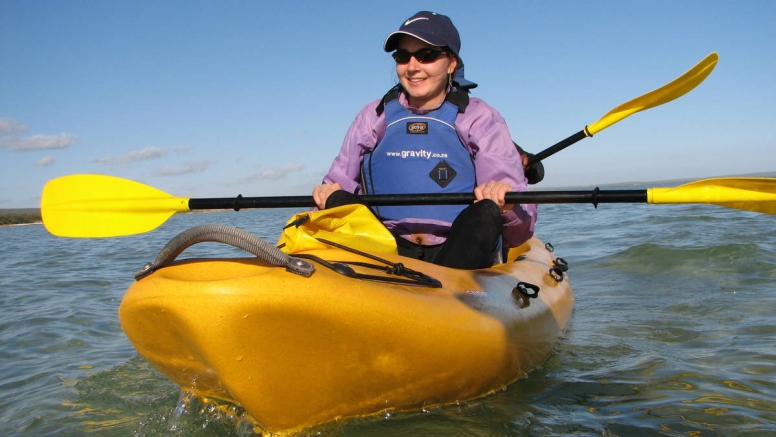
<point x="487" y="207"/>
<point x="483" y="213"/>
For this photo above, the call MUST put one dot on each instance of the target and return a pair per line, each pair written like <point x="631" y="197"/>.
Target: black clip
<point x="561" y="264"/>
<point x="556" y="273"/>
<point x="298" y="222"/>
<point x="524" y="291"/>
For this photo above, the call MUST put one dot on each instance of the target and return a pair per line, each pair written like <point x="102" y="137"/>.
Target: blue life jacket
<point x="419" y="154"/>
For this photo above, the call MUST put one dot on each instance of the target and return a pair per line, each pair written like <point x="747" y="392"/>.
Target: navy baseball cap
<point x="434" y="29"/>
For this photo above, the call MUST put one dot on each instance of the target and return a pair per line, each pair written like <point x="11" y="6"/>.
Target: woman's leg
<point x="415" y="250"/>
<point x="474" y="238"/>
<point x="472" y="244"/>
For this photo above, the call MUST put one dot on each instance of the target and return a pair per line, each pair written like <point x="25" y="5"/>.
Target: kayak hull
<point x="297" y="352"/>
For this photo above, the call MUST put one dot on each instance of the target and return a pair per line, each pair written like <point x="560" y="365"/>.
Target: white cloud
<point x="11" y="126"/>
<point x="17" y="143"/>
<point x="181" y="149"/>
<point x="186" y="168"/>
<point x="45" y="161"/>
<point x="132" y="156"/>
<point x="273" y="173"/>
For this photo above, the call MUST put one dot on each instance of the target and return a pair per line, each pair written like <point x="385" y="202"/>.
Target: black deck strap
<point x="398" y="269"/>
<point x="358" y="252"/>
<point x="344" y="268"/>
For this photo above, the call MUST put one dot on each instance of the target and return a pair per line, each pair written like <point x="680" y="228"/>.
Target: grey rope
<point x="228" y="235"/>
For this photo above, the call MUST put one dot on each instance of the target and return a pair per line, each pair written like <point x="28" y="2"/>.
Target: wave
<point x="665" y="259"/>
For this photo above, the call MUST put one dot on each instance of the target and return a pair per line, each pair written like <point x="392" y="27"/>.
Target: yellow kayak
<point x="298" y="351"/>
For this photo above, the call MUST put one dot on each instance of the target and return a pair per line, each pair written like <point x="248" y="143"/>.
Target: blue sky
<point x="215" y="99"/>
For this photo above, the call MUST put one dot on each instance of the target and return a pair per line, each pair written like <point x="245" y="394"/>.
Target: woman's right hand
<point x="322" y="192"/>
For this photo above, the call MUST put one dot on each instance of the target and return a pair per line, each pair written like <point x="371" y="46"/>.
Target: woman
<point x="428" y="135"/>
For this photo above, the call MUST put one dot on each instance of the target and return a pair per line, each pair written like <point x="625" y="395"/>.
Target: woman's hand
<point x="495" y="191"/>
<point x="322" y="192"/>
<point x="524" y="160"/>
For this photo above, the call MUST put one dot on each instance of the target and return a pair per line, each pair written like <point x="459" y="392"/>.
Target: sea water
<point x="673" y="333"/>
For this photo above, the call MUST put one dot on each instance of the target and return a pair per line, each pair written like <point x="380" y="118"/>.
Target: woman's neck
<point x="426" y="104"/>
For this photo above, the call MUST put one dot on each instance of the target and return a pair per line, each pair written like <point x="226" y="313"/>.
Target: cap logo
<point x="408" y="22"/>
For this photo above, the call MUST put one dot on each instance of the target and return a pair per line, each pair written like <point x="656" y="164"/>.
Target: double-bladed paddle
<point x="104" y="206"/>
<point x="670" y="91"/>
<point x="91" y="206"/>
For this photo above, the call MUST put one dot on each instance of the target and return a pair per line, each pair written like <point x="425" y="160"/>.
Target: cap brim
<point x="392" y="42"/>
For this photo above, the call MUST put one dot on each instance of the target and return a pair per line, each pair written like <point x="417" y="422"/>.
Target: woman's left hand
<point x="495" y="191"/>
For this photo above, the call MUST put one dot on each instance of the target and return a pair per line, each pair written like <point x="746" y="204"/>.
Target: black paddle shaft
<point x="594" y="197"/>
<point x="557" y="147"/>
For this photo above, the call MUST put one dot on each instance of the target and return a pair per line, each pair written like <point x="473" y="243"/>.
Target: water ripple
<point x="674" y="333"/>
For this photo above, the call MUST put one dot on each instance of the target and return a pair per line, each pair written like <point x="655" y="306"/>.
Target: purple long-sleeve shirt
<point x="481" y="129"/>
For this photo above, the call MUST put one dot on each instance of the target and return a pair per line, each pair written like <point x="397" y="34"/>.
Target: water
<point x="674" y="333"/>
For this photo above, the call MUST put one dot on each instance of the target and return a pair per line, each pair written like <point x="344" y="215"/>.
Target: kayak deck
<point x="297" y="352"/>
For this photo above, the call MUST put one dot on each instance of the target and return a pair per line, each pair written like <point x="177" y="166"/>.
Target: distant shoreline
<point x="21" y="216"/>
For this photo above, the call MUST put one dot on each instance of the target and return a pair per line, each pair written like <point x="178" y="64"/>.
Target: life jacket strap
<point x="459" y="98"/>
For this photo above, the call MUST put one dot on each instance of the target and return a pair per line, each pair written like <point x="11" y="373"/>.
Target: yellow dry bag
<point x="353" y="226"/>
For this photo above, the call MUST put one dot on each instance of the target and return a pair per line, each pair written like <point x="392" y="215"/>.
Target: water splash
<point x="193" y="411"/>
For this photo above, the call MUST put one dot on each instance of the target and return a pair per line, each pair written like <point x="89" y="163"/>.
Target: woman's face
<point x="425" y="83"/>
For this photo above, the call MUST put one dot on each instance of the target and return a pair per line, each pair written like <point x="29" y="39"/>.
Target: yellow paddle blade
<point x="675" y="89"/>
<point x="750" y="194"/>
<point x="92" y="206"/>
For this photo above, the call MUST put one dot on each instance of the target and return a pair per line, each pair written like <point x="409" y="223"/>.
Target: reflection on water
<point x="674" y="333"/>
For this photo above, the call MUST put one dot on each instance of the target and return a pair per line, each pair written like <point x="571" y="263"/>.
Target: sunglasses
<point x="424" y="56"/>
